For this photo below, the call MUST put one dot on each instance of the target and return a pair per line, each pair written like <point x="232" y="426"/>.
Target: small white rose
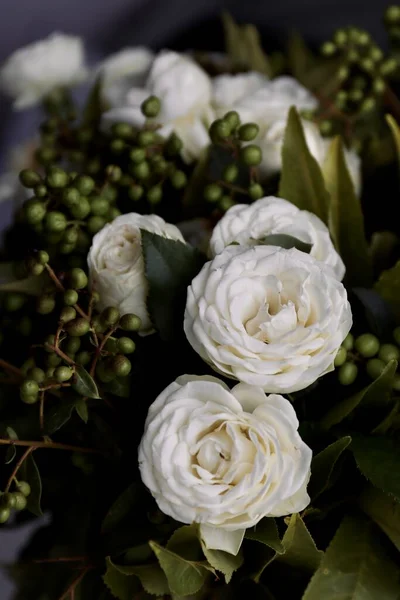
<point x="32" y="72"/>
<point x="247" y="223"/>
<point x="116" y="265"/>
<point x="230" y="90"/>
<point x="223" y="458"/>
<point x="184" y="89"/>
<point x="122" y="71"/>
<point x="267" y="316"/>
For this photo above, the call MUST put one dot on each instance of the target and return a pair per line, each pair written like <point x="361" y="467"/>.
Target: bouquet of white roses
<point x="200" y="322"/>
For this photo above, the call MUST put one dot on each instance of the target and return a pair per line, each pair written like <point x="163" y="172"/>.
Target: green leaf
<point x="346" y="220"/>
<point x="184" y="576"/>
<point x="395" y="129"/>
<point x="378" y="459"/>
<point x="377" y="394"/>
<point x="151" y="577"/>
<point x="300" y="57"/>
<point x="170" y="266"/>
<point x="93" y="108"/>
<point x="84" y="384"/>
<point x="388" y="286"/>
<point x="384" y="510"/>
<point x="58" y="414"/>
<point x="7" y="271"/>
<point x="32" y="285"/>
<point x="193" y="194"/>
<point x="120" y="509"/>
<point x="300" y="549"/>
<point x="82" y="409"/>
<point x="243" y="46"/>
<point x="354" y="567"/>
<point x="121" y="586"/>
<point x="30" y="473"/>
<point x="266" y="532"/>
<point x="223" y="561"/>
<point x="285" y="241"/>
<point x="120" y="386"/>
<point x="386" y="423"/>
<point x="11" y="451"/>
<point x="301" y="181"/>
<point x="323" y="464"/>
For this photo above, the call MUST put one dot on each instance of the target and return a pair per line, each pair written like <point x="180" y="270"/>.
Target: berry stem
<point x="70" y="591"/>
<point x="17" y="467"/>
<point x="61" y="288"/>
<point x="54" y="445"/>
<point x="10" y="368"/>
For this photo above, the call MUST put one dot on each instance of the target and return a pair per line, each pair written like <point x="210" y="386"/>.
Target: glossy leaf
<point x="378" y="459"/>
<point x="266" y="532"/>
<point x="388" y="286"/>
<point x="81" y="408"/>
<point x="84" y="384"/>
<point x="300" y="549"/>
<point x="323" y="465"/>
<point x="58" y="414"/>
<point x="384" y="510"/>
<point x="151" y="577"/>
<point x="395" y="129"/>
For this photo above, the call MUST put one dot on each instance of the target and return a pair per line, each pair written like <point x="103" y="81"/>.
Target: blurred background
<point x="178" y="24"/>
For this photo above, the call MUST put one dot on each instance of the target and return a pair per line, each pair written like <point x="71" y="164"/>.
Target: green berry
<point x="45" y="156"/>
<point x="392" y="14"/>
<point x="388" y="67"/>
<point x="374" y="367"/>
<point x="99" y="206"/>
<point x="379" y="85"/>
<point x="226" y="203"/>
<point x="77" y="327"/>
<point x="24" y="488"/>
<point x="376" y="54"/>
<point x="154" y="194"/>
<point x="122" y="130"/>
<point x="145" y="138"/>
<point x="219" y="130"/>
<point x="231" y="173"/>
<point x="62" y="374"/>
<point x="117" y="146"/>
<point x="159" y="165"/>
<point x="367" y="345"/>
<point x="8" y="500"/>
<point x="328" y="49"/>
<point x="40" y="191"/>
<point x="340" y="38"/>
<point x="36" y="374"/>
<point x="68" y="313"/>
<point x="42" y="257"/>
<point x="233" y="119"/>
<point x="49" y="343"/>
<point x="341" y="99"/>
<point x="388" y="352"/>
<point x="66" y="248"/>
<point x="4" y="514"/>
<point x="178" y="180"/>
<point x="77" y="278"/>
<point x="251" y="155"/>
<point x="325" y="127"/>
<point x="72" y="345"/>
<point x="255" y="191"/>
<point x="70" y="297"/>
<point x="20" y="501"/>
<point x="343" y="73"/>
<point x="114" y="173"/>
<point x="141" y="171"/>
<point x="71" y="197"/>
<point x="36" y="269"/>
<point x="53" y="360"/>
<point x="14" y="301"/>
<point x="111" y="346"/>
<point x="125" y="345"/>
<point x="348" y="342"/>
<point x="120" y="365"/>
<point x="110" y="192"/>
<point x="95" y="223"/>
<point x="347" y="373"/>
<point x="113" y="213"/>
<point x="248" y="132"/>
<point x="104" y="373"/>
<point x="110" y="316"/>
<point x="98" y="324"/>
<point x="356" y="95"/>
<point x="84" y="184"/>
<point x="135" y="192"/>
<point x="212" y="192"/>
<point x="55" y="221"/>
<point x="341" y="357"/>
<point x="174" y="145"/>
<point x="80" y="211"/>
<point x="130" y="322"/>
<point x="29" y="178"/>
<point x="396" y="382"/>
<point x="137" y="155"/>
<point x="151" y="107"/>
<point x="24" y="326"/>
<point x="71" y="235"/>
<point x="56" y="178"/>
<point x="83" y="358"/>
<point x="45" y="304"/>
<point x="34" y="212"/>
<point x="30" y="387"/>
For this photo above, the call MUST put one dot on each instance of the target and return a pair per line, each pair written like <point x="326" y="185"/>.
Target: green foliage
<point x="301" y="181"/>
<point x="323" y="465"/>
<point x="388" y="286"/>
<point x="59" y="413"/>
<point x="378" y="458"/>
<point x="93" y="108"/>
<point x="355" y="566"/>
<point x="384" y="510"/>
<point x="300" y="550"/>
<point x="243" y="46"/>
<point x="151" y="577"/>
<point x="30" y="473"/>
<point x="266" y="532"/>
<point x="285" y="241"/>
<point x="84" y="384"/>
<point x="395" y="129"/>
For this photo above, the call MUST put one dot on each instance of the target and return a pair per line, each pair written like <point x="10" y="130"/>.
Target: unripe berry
<point x="137" y="155"/>
<point x="77" y="278"/>
<point x="251" y="155"/>
<point x="154" y="194"/>
<point x="125" y="345"/>
<point x="248" y="132"/>
<point x="135" y="192"/>
<point x="70" y="297"/>
<point x="212" y="192"/>
<point x="77" y="327"/>
<point x="95" y="223"/>
<point x="347" y="373"/>
<point x="388" y="352"/>
<point x="122" y="130"/>
<point x="45" y="304"/>
<point x="84" y="184"/>
<point x="99" y="206"/>
<point x="120" y="365"/>
<point x="29" y="178"/>
<point x="34" y="212"/>
<point x="233" y="119"/>
<point x="367" y="345"/>
<point x="341" y="357"/>
<point x="68" y="313"/>
<point x="219" y="130"/>
<point x="13" y="301"/>
<point x="110" y="316"/>
<point x="24" y="488"/>
<point x="178" y="180"/>
<point x="36" y="374"/>
<point x="83" y="358"/>
<point x="151" y="107"/>
<point x="80" y="211"/>
<point x="255" y="191"/>
<point x="56" y="178"/>
<point x="4" y="514"/>
<point x="62" y="374"/>
<point x="374" y="367"/>
<point x="130" y="322"/>
<point x="55" y="221"/>
<point x="231" y="173"/>
<point x="20" y="501"/>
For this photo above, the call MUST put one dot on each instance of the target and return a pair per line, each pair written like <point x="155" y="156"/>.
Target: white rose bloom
<point x="223" y="458"/>
<point x="184" y="89"/>
<point x="123" y="70"/>
<point x="32" y="72"/>
<point x="229" y="90"/>
<point x="267" y="316"/>
<point x="247" y="223"/>
<point x="116" y="265"/>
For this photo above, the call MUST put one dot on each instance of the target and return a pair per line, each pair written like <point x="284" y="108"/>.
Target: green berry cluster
<point x="368" y="351"/>
<point x="392" y="23"/>
<point x="16" y="500"/>
<point x="235" y="137"/>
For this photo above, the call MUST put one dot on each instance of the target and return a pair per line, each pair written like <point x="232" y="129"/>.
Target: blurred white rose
<point x="230" y="90"/>
<point x="184" y="89"/>
<point x="122" y="71"/>
<point x="247" y="223"/>
<point x="223" y="458"/>
<point x="267" y="316"/>
<point x="32" y="72"/>
<point x="116" y="265"/>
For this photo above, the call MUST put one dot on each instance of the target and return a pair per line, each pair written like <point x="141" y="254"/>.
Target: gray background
<point x="109" y="24"/>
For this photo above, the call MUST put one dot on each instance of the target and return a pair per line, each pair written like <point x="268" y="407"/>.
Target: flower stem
<point x="54" y="445"/>
<point x="18" y="466"/>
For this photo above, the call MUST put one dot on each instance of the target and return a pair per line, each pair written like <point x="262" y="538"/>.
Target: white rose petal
<point x="223" y="458"/>
<point x="116" y="265"/>
<point x="32" y="72"/>
<point x="267" y="316"/>
<point x="230" y="90"/>
<point x="247" y="223"/>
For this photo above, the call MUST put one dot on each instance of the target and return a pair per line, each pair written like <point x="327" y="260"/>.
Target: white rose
<point x="32" y="72"/>
<point x="116" y="265"/>
<point x="267" y="316"/>
<point x="229" y="90"/>
<point x="223" y="458"/>
<point x="123" y="70"/>
<point x="247" y="223"/>
<point x="184" y="89"/>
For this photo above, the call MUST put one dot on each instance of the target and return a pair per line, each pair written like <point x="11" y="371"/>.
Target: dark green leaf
<point x="93" y="108"/>
<point x="30" y="473"/>
<point x="346" y="220"/>
<point x="84" y="384"/>
<point x="223" y="561"/>
<point x="323" y="464"/>
<point x="285" y="241"/>
<point x="121" y="586"/>
<point x="378" y="313"/>
<point x="7" y="272"/>
<point x="300" y="549"/>
<point x="384" y="510"/>
<point x="388" y="286"/>
<point x="384" y="246"/>
<point x="58" y="414"/>
<point x="377" y="394"/>
<point x="378" y="459"/>
<point x="301" y="182"/>
<point x="266" y="532"/>
<point x="386" y="423"/>
<point x="193" y="194"/>
<point x="394" y="127"/>
<point x="120" y="509"/>
<point x="243" y="46"/>
<point x="82" y="409"/>
<point x="170" y="267"/>
<point x="11" y="450"/>
<point x="32" y="285"/>
<point x="151" y="577"/>
<point x="121" y="387"/>
<point x="300" y="57"/>
<point x="355" y="567"/>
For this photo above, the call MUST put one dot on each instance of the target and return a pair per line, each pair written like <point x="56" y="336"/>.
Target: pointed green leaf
<point x="121" y="586"/>
<point x="300" y="549"/>
<point x="32" y="285"/>
<point x="30" y="473"/>
<point x="234" y="43"/>
<point x="11" y="450"/>
<point x="151" y="577"/>
<point x="386" y="423"/>
<point x="121" y="387"/>
<point x="223" y="561"/>
<point x="256" y="58"/>
<point x="170" y="266"/>
<point x="84" y="384"/>
<point x="395" y="129"/>
<point x="120" y="509"/>
<point x="58" y="414"/>
<point x="388" y="286"/>
<point x="384" y="510"/>
<point x="323" y="464"/>
<point x="301" y="181"/>
<point x="378" y="459"/>
<point x="267" y="533"/>
<point x="355" y="567"/>
<point x="284" y="241"/>
<point x="82" y="409"/>
<point x="346" y="219"/>
<point x="378" y="393"/>
<point x="93" y="108"/>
